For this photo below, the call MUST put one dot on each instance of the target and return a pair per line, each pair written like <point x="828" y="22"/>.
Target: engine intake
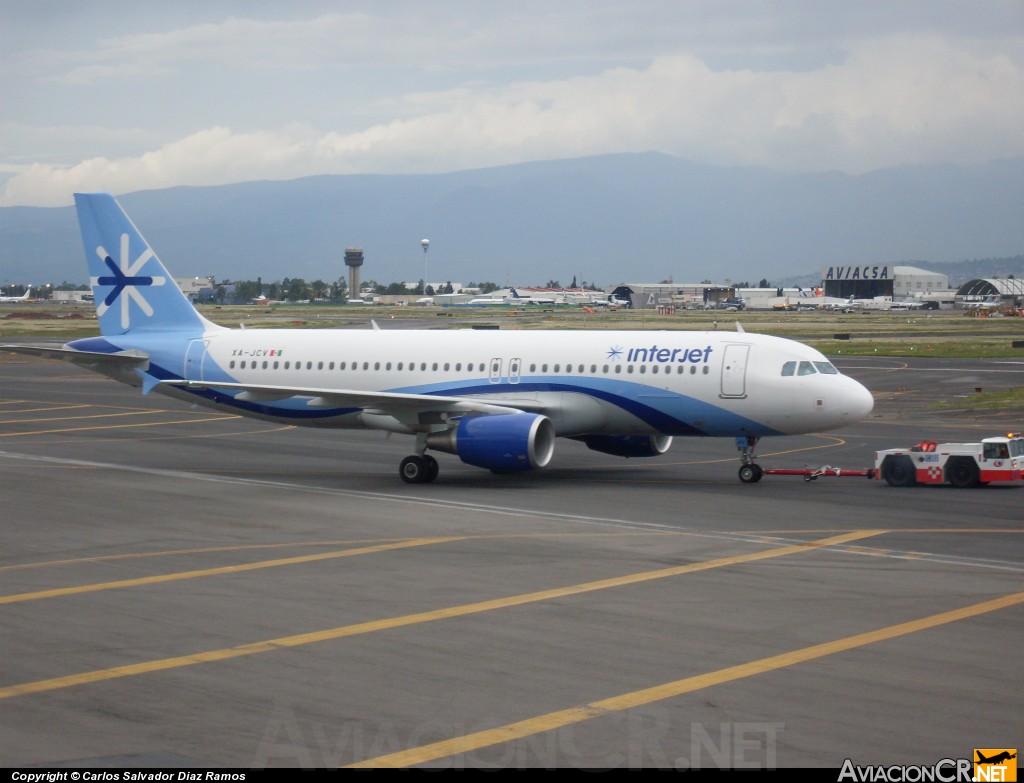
<point x="504" y="443"/>
<point x="629" y="445"/>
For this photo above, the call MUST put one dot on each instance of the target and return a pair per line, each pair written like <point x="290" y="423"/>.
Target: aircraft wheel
<point x="750" y="473"/>
<point x="432" y="468"/>
<point x="417" y="470"/>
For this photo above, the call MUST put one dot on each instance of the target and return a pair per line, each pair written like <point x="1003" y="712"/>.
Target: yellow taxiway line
<point x="625" y="701"/>
<point x="372" y="626"/>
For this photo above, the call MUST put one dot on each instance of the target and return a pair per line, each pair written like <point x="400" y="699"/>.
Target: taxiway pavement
<point x="184" y="588"/>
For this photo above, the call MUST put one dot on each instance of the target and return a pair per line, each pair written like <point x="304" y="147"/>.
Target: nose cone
<point x="858" y="402"/>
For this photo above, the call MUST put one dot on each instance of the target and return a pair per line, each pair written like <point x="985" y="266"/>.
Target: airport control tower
<point x="353" y="260"/>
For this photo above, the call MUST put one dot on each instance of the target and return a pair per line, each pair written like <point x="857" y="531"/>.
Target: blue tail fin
<point x="133" y="290"/>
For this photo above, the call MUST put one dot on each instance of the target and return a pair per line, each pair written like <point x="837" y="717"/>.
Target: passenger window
<point x="275" y="364"/>
<point x="806" y="368"/>
<point x="287" y="365"/>
<point x="788" y="368"/>
<point x="618" y="368"/>
<point x="458" y="366"/>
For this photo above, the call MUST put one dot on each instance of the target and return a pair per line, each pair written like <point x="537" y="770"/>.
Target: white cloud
<point x="895" y="100"/>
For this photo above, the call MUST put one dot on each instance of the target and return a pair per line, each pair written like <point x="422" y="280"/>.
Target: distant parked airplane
<point x="16" y="299"/>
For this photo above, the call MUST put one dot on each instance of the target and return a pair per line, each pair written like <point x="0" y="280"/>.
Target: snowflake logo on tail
<point x="126" y="280"/>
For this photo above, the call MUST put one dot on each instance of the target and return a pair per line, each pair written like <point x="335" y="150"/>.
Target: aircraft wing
<point x="93" y="359"/>
<point x="392" y="403"/>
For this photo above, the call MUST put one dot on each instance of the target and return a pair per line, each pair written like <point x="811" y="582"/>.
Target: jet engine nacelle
<point x="629" y="445"/>
<point x="504" y="443"/>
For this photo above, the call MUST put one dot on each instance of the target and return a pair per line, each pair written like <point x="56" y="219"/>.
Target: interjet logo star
<point x="614" y="352"/>
<point x="126" y="280"/>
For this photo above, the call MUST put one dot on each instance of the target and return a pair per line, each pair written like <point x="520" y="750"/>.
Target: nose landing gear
<point x="750" y="472"/>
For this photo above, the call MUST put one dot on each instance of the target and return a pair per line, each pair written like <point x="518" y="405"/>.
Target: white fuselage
<point x="615" y="382"/>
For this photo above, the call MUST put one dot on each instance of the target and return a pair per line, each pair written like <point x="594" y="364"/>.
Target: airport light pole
<point x="425" y="243"/>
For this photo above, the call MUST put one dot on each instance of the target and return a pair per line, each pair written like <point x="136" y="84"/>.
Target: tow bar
<point x="813" y="474"/>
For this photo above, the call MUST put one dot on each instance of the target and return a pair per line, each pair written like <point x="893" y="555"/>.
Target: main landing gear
<point x="418" y="469"/>
<point x="750" y="472"/>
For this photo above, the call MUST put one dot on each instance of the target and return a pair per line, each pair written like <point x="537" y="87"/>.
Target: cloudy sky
<point x="125" y="96"/>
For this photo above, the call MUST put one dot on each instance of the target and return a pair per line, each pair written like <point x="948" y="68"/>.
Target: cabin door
<point x="194" y="358"/>
<point x="734" y="371"/>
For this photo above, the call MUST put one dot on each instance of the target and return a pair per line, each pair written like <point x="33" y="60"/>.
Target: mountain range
<point x="604" y="220"/>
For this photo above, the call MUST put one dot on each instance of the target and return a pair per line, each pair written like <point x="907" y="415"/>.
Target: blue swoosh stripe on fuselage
<point x="661" y="417"/>
<point x="657" y="417"/>
<point x="293" y="408"/>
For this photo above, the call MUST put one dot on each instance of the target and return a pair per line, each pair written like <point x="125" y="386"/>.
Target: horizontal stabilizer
<point x="123" y="359"/>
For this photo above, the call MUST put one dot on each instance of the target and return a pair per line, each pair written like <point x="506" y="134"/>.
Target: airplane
<point x="614" y="301"/>
<point x="16" y="299"/>
<point x="496" y="399"/>
<point x="1004" y="756"/>
<point x="514" y="297"/>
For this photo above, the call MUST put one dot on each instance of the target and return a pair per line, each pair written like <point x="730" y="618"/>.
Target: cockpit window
<point x="826" y="368"/>
<point x="806" y="368"/>
<point x="788" y="368"/>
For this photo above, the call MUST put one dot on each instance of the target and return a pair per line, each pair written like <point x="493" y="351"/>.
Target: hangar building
<point x="881" y="280"/>
<point x="1008" y="291"/>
